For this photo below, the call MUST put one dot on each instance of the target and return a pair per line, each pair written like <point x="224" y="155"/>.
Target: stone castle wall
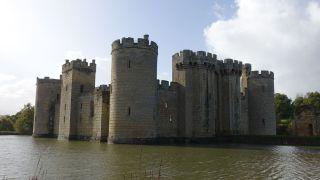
<point x="197" y="92"/>
<point x="167" y="103"/>
<point x="261" y="103"/>
<point x="78" y="78"/>
<point x="133" y="90"/>
<point x="206" y="98"/>
<point x="85" y="118"/>
<point x="47" y="107"/>
<point x="100" y="127"/>
<point x="230" y="105"/>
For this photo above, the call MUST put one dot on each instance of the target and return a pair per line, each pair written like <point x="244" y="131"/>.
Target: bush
<point x="24" y="120"/>
<point x="6" y="123"/>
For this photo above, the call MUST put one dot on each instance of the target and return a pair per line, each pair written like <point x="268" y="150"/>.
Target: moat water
<point x="22" y="157"/>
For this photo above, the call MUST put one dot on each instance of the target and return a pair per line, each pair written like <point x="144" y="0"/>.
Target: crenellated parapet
<point x="142" y="43"/>
<point x="231" y="66"/>
<point x="79" y="64"/>
<point x="103" y="91"/>
<point x="199" y="59"/>
<point x="102" y="88"/>
<point x="186" y="56"/>
<point x="48" y="80"/>
<point x="166" y="85"/>
<point x="261" y="74"/>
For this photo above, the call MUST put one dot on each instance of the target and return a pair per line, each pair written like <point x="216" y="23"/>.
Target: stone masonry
<point x="207" y="97"/>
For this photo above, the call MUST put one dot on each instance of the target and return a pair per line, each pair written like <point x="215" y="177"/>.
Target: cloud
<point x="103" y="74"/>
<point x="72" y="55"/>
<point x="14" y="92"/>
<point x="164" y="76"/>
<point x="103" y="70"/>
<point x="6" y="78"/>
<point x="279" y="35"/>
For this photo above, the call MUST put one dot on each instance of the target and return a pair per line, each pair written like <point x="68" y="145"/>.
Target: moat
<point x="19" y="156"/>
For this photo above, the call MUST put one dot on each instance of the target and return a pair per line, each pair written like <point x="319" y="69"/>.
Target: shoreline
<point x="9" y="133"/>
<point x="240" y="139"/>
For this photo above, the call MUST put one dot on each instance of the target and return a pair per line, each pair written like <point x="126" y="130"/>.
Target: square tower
<point x="78" y="78"/>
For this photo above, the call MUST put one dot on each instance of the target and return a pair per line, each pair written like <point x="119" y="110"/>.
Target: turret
<point x="262" y="119"/>
<point x="133" y="90"/>
<point x="142" y="43"/>
<point x="78" y="78"/>
<point x="196" y="74"/>
<point x="46" y="115"/>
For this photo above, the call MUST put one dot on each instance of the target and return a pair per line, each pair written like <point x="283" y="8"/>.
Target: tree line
<point x="21" y="122"/>
<point x="286" y="109"/>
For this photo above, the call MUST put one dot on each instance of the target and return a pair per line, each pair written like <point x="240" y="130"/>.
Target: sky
<point x="37" y="36"/>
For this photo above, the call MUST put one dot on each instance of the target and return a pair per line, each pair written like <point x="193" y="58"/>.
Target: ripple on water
<point x="85" y="160"/>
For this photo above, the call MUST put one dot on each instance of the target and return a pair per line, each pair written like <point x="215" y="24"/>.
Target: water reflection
<point x="85" y="160"/>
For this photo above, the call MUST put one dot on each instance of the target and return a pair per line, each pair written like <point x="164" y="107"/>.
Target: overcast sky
<point x="36" y="36"/>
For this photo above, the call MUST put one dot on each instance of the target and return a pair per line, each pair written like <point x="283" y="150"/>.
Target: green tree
<point x="310" y="99"/>
<point x="6" y="123"/>
<point x="283" y="106"/>
<point x="313" y="99"/>
<point x="24" y="120"/>
<point x="298" y="103"/>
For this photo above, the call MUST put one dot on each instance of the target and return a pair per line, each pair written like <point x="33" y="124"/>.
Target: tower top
<point x="79" y="64"/>
<point x="189" y="55"/>
<point x="129" y="42"/>
<point x="262" y="74"/>
<point x="47" y="80"/>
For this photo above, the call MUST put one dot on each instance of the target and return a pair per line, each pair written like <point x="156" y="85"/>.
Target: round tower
<point x="262" y="119"/>
<point x="46" y="115"/>
<point x="133" y="90"/>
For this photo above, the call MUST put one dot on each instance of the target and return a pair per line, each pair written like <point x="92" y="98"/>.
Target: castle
<point x="206" y="98"/>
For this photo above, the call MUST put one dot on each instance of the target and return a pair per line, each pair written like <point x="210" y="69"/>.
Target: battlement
<point x="102" y="88"/>
<point x="129" y="42"/>
<point x="188" y="55"/>
<point x="48" y="80"/>
<point x="261" y="74"/>
<point x="166" y="85"/>
<point x="232" y="65"/>
<point x="79" y="64"/>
